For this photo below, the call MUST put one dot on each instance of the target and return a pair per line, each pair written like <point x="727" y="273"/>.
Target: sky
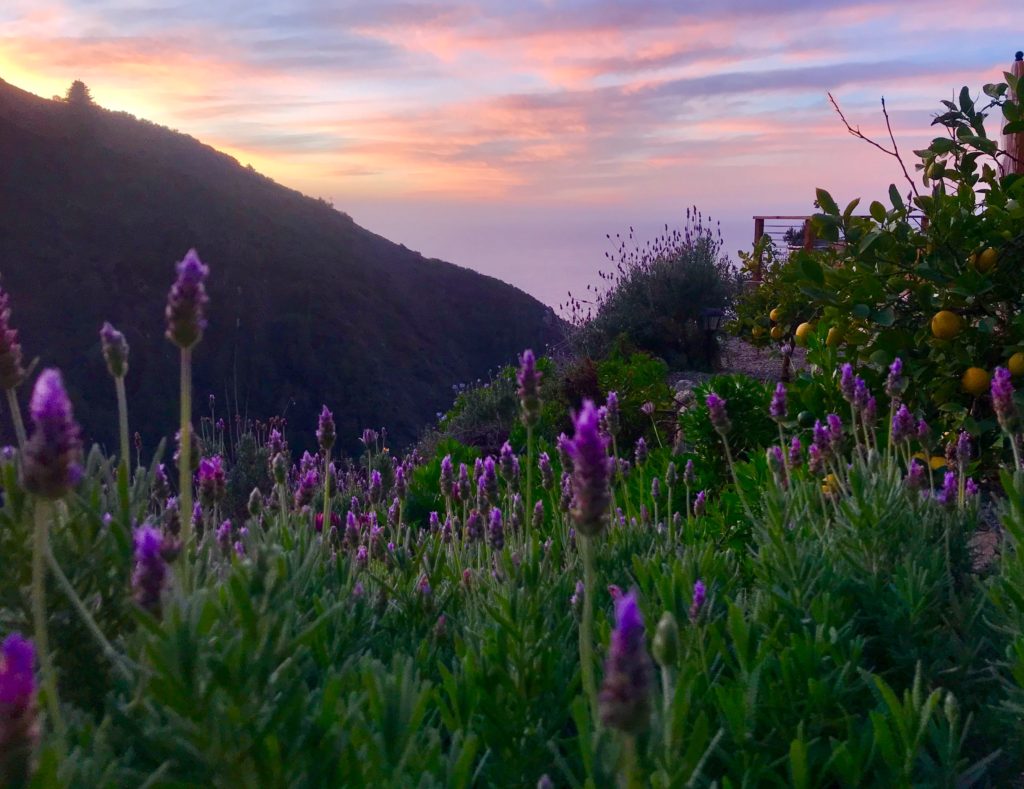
<point x="510" y="136"/>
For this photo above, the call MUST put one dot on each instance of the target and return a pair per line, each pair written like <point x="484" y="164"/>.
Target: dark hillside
<point x="306" y="306"/>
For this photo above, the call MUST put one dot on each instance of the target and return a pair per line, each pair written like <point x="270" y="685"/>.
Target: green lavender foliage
<point x="842" y="642"/>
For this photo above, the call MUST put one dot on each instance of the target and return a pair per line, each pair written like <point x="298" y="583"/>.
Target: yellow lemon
<point x="757" y="331"/>
<point x="834" y="337"/>
<point x="975" y="381"/>
<point x="777" y="333"/>
<point x="774" y="314"/>
<point x="1016" y="364"/>
<point x="946" y="325"/>
<point x="986" y="261"/>
<point x="937" y="462"/>
<point x="802" y="331"/>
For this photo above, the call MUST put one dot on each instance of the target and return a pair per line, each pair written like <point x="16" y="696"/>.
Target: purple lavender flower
<point x="565" y="500"/>
<point x="376" y="487"/>
<point x="12" y="370"/>
<point x="474" y="526"/>
<point x="434" y="522"/>
<point x="326" y="433"/>
<point x="815" y="460"/>
<point x="895" y="383"/>
<point x="212" y="481"/>
<point x="641" y="451"/>
<point x="625" y="692"/>
<point x="186" y="302"/>
<point x="19" y="724"/>
<point x="496" y="530"/>
<point x="447" y="478"/>
<point x="671" y="475"/>
<point x="1002" y="400"/>
<point x="719" y="416"/>
<point x="948" y="496"/>
<point x="275" y="443"/>
<point x="904" y="426"/>
<point x="463" y="486"/>
<point x="870" y="411"/>
<point x="307" y="487"/>
<point x="576" y="600"/>
<point x="655" y="489"/>
<point x="795" y="452"/>
<point x="528" y="378"/>
<point x="916" y="476"/>
<point x="17" y="680"/>
<point x="689" y="475"/>
<point x="490" y="481"/>
<point x="369" y="439"/>
<point x="538" y="515"/>
<point x="835" y="429"/>
<point x="150" y="569"/>
<point x="776" y="459"/>
<point x="647" y="408"/>
<point x="699" y="594"/>
<point x="611" y="403"/>
<point x="115" y="350"/>
<point x="924" y="433"/>
<point x="52" y="464"/>
<point x="362" y="556"/>
<point x="861" y="393"/>
<point x="846" y="383"/>
<point x="590" y="478"/>
<point x="777" y="407"/>
<point x="562" y="444"/>
<point x="509" y="464"/>
<point x="963" y="448"/>
<point x="971" y="487"/>
<point x="547" y="474"/>
<point x="224" y="536"/>
<point x="822" y="438"/>
<point x="700" y="503"/>
<point x="401" y="483"/>
<point x="161" y="488"/>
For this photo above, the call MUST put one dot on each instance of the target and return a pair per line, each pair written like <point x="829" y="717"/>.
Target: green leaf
<point x="884" y="317"/>
<point x="895" y="197"/>
<point x="826" y="203"/>
<point x="811" y="268"/>
<point x="877" y="211"/>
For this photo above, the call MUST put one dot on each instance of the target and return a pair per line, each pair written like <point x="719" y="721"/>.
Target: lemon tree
<point x="934" y="276"/>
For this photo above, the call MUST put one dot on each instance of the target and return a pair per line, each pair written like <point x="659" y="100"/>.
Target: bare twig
<point x="856" y="132"/>
<point x="896" y="150"/>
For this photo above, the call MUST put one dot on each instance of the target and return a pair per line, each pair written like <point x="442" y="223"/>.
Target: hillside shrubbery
<point x="655" y="295"/>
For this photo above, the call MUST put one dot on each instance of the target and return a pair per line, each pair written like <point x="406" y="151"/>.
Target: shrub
<point x="747" y="401"/>
<point x="934" y="278"/>
<point x="656" y="294"/>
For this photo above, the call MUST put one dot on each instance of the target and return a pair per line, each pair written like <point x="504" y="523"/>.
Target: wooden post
<point x="808" y="235"/>
<point x="758" y="233"/>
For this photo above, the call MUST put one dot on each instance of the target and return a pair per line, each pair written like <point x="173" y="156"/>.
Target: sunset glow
<point x="509" y="137"/>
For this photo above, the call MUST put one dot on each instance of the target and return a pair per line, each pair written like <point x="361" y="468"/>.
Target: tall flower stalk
<point x="326" y="434"/>
<point x="52" y="467"/>
<point x="591" y="500"/>
<point x="115" y="353"/>
<point x="186" y="320"/>
<point x="528" y="378"/>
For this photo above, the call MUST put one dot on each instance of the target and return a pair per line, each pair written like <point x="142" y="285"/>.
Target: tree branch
<point x="856" y="132"/>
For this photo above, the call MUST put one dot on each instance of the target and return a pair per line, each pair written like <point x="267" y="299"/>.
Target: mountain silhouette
<point x="306" y="307"/>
